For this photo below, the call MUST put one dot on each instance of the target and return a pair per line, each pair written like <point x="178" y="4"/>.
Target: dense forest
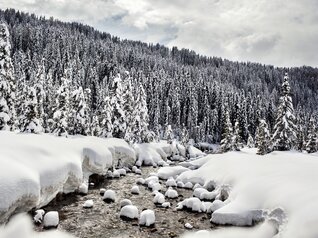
<point x="72" y="79"/>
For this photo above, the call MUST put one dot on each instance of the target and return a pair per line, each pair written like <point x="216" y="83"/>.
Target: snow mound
<point x="151" y="154"/>
<point x="125" y="202"/>
<point x="147" y="218"/>
<point x="51" y="219"/>
<point x="88" y="204"/>
<point x="188" y="185"/>
<point x="217" y="204"/>
<point x="122" y="172"/>
<point x="129" y="211"/>
<point x="167" y="172"/>
<point x="154" y="186"/>
<point x="140" y="181"/>
<point x="83" y="189"/>
<point x="102" y="191"/>
<point x="180" y="184"/>
<point x="195" y="153"/>
<point x="198" y="191"/>
<point x="135" y="190"/>
<point x="109" y="196"/>
<point x="166" y="205"/>
<point x="116" y="174"/>
<point x="171" y="193"/>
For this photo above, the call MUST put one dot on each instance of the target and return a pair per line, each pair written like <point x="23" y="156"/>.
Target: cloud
<point x="283" y="33"/>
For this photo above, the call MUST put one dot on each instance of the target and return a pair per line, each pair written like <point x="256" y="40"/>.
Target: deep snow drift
<point x="280" y="187"/>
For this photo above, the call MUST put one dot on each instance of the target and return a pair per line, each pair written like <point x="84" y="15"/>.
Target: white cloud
<point x="279" y="32"/>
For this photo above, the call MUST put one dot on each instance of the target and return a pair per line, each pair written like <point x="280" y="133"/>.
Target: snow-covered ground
<point x="280" y="188"/>
<point x="34" y="168"/>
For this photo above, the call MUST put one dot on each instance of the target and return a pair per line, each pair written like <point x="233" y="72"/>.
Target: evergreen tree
<point x="7" y="82"/>
<point x="117" y="104"/>
<point x="96" y="130"/>
<point x="78" y="118"/>
<point x="61" y="113"/>
<point x="237" y="140"/>
<point x="142" y="120"/>
<point x="227" y="136"/>
<point x="30" y="121"/>
<point x="312" y="142"/>
<point x="284" y="130"/>
<point x="168" y="134"/>
<point x="106" y="122"/>
<point x="263" y="138"/>
<point x="130" y="109"/>
<point x="250" y="141"/>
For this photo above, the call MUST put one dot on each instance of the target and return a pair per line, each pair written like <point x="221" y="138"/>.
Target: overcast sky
<point x="277" y="32"/>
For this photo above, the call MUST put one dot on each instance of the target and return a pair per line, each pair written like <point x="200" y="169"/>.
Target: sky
<point x="277" y="32"/>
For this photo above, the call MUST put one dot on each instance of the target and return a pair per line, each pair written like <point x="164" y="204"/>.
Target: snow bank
<point x="167" y="172"/>
<point x="260" y="184"/>
<point x="35" y="168"/>
<point x="195" y="152"/>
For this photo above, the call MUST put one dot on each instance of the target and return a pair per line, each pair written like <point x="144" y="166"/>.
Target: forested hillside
<point x="62" y="64"/>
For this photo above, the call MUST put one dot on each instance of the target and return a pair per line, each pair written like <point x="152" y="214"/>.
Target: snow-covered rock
<point x="198" y="191"/>
<point x="38" y="217"/>
<point x="197" y="185"/>
<point x="194" y="152"/>
<point x="151" y="178"/>
<point x="159" y="198"/>
<point x="194" y="204"/>
<point x="217" y="204"/>
<point x="167" y="172"/>
<point x="147" y="218"/>
<point x="102" y="191"/>
<point x="188" y="226"/>
<point x="51" y="219"/>
<point x="129" y="211"/>
<point x="122" y="172"/>
<point x="180" y="184"/>
<point x="134" y="168"/>
<point x="116" y="174"/>
<point x="138" y="171"/>
<point x="109" y="174"/>
<point x="166" y="205"/>
<point x="140" y="181"/>
<point x="188" y="185"/>
<point x="83" y="189"/>
<point x="88" y="204"/>
<point x="150" y="154"/>
<point x="171" y="182"/>
<point x="109" y="196"/>
<point x="125" y="202"/>
<point x="171" y="193"/>
<point x="208" y="195"/>
<point x="135" y="190"/>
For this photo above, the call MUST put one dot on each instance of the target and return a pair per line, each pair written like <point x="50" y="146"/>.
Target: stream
<point x="103" y="219"/>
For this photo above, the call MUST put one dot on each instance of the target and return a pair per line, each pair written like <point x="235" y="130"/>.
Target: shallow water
<point x="103" y="219"/>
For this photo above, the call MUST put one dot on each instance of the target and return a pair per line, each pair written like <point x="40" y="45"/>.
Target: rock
<point x="88" y="204"/>
<point x="135" y="190"/>
<point x="51" y="220"/>
<point x="129" y="212"/>
<point x="109" y="196"/>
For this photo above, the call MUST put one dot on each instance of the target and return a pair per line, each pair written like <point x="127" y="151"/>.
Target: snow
<point x="188" y="226"/>
<point x="167" y="172"/>
<point x="147" y="218"/>
<point x="83" y="188"/>
<point x="135" y="190"/>
<point x="21" y="226"/>
<point x="188" y="185"/>
<point x="217" y="204"/>
<point x="194" y="152"/>
<point x="109" y="195"/>
<point x="171" y="193"/>
<point x="194" y="204"/>
<point x="166" y="204"/>
<point x="140" y="181"/>
<point x="198" y="191"/>
<point x="152" y="154"/>
<point x="171" y="182"/>
<point x="180" y="184"/>
<point x="122" y="172"/>
<point x="125" y="202"/>
<point x="159" y="198"/>
<point x="259" y="186"/>
<point x="129" y="211"/>
<point x="35" y="168"/>
<point x="88" y="204"/>
<point x="51" y="219"/>
<point x="205" y="195"/>
<point x="38" y="216"/>
<point x="154" y="186"/>
<point x="102" y="191"/>
<point x="116" y="174"/>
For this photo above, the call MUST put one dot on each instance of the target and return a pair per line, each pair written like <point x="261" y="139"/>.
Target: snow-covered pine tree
<point x="263" y="138"/>
<point x="78" y="119"/>
<point x="285" y="129"/>
<point x="96" y="130"/>
<point x="61" y="113"/>
<point x="227" y="136"/>
<point x="30" y="121"/>
<point x="237" y="139"/>
<point x="130" y="109"/>
<point x="117" y="104"/>
<point x="143" y="118"/>
<point x="106" y="115"/>
<point x="168" y="134"/>
<point x="250" y="141"/>
<point x="40" y="78"/>
<point x="312" y="141"/>
<point x="7" y="82"/>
